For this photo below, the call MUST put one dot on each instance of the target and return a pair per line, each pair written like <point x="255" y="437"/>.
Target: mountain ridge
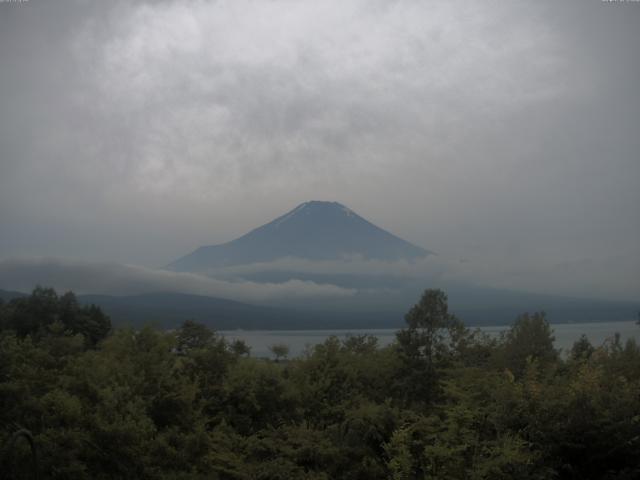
<point x="170" y="309"/>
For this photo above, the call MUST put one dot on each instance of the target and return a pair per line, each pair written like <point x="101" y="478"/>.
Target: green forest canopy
<point x="442" y="402"/>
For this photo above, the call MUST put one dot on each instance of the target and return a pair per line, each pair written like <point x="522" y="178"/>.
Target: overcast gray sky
<point x="506" y="134"/>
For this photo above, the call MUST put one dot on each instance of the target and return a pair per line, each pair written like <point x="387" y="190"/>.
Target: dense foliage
<point x="441" y="402"/>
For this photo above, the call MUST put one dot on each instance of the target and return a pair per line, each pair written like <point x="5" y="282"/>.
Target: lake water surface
<point x="298" y="340"/>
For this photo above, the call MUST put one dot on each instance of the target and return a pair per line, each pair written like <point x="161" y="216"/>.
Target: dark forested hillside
<point x="442" y="402"/>
<point x="6" y="295"/>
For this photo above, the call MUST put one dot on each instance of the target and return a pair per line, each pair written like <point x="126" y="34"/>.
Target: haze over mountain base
<point x="320" y="265"/>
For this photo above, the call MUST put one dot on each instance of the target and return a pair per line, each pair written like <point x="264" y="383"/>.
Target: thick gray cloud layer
<point x="504" y="133"/>
<point x="117" y="279"/>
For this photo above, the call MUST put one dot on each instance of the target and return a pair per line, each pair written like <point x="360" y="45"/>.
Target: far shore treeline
<point x="441" y="402"/>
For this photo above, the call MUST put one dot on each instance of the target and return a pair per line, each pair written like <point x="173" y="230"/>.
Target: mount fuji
<point x="314" y="230"/>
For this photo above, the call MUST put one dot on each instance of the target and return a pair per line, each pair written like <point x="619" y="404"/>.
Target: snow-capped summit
<point x="315" y="230"/>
